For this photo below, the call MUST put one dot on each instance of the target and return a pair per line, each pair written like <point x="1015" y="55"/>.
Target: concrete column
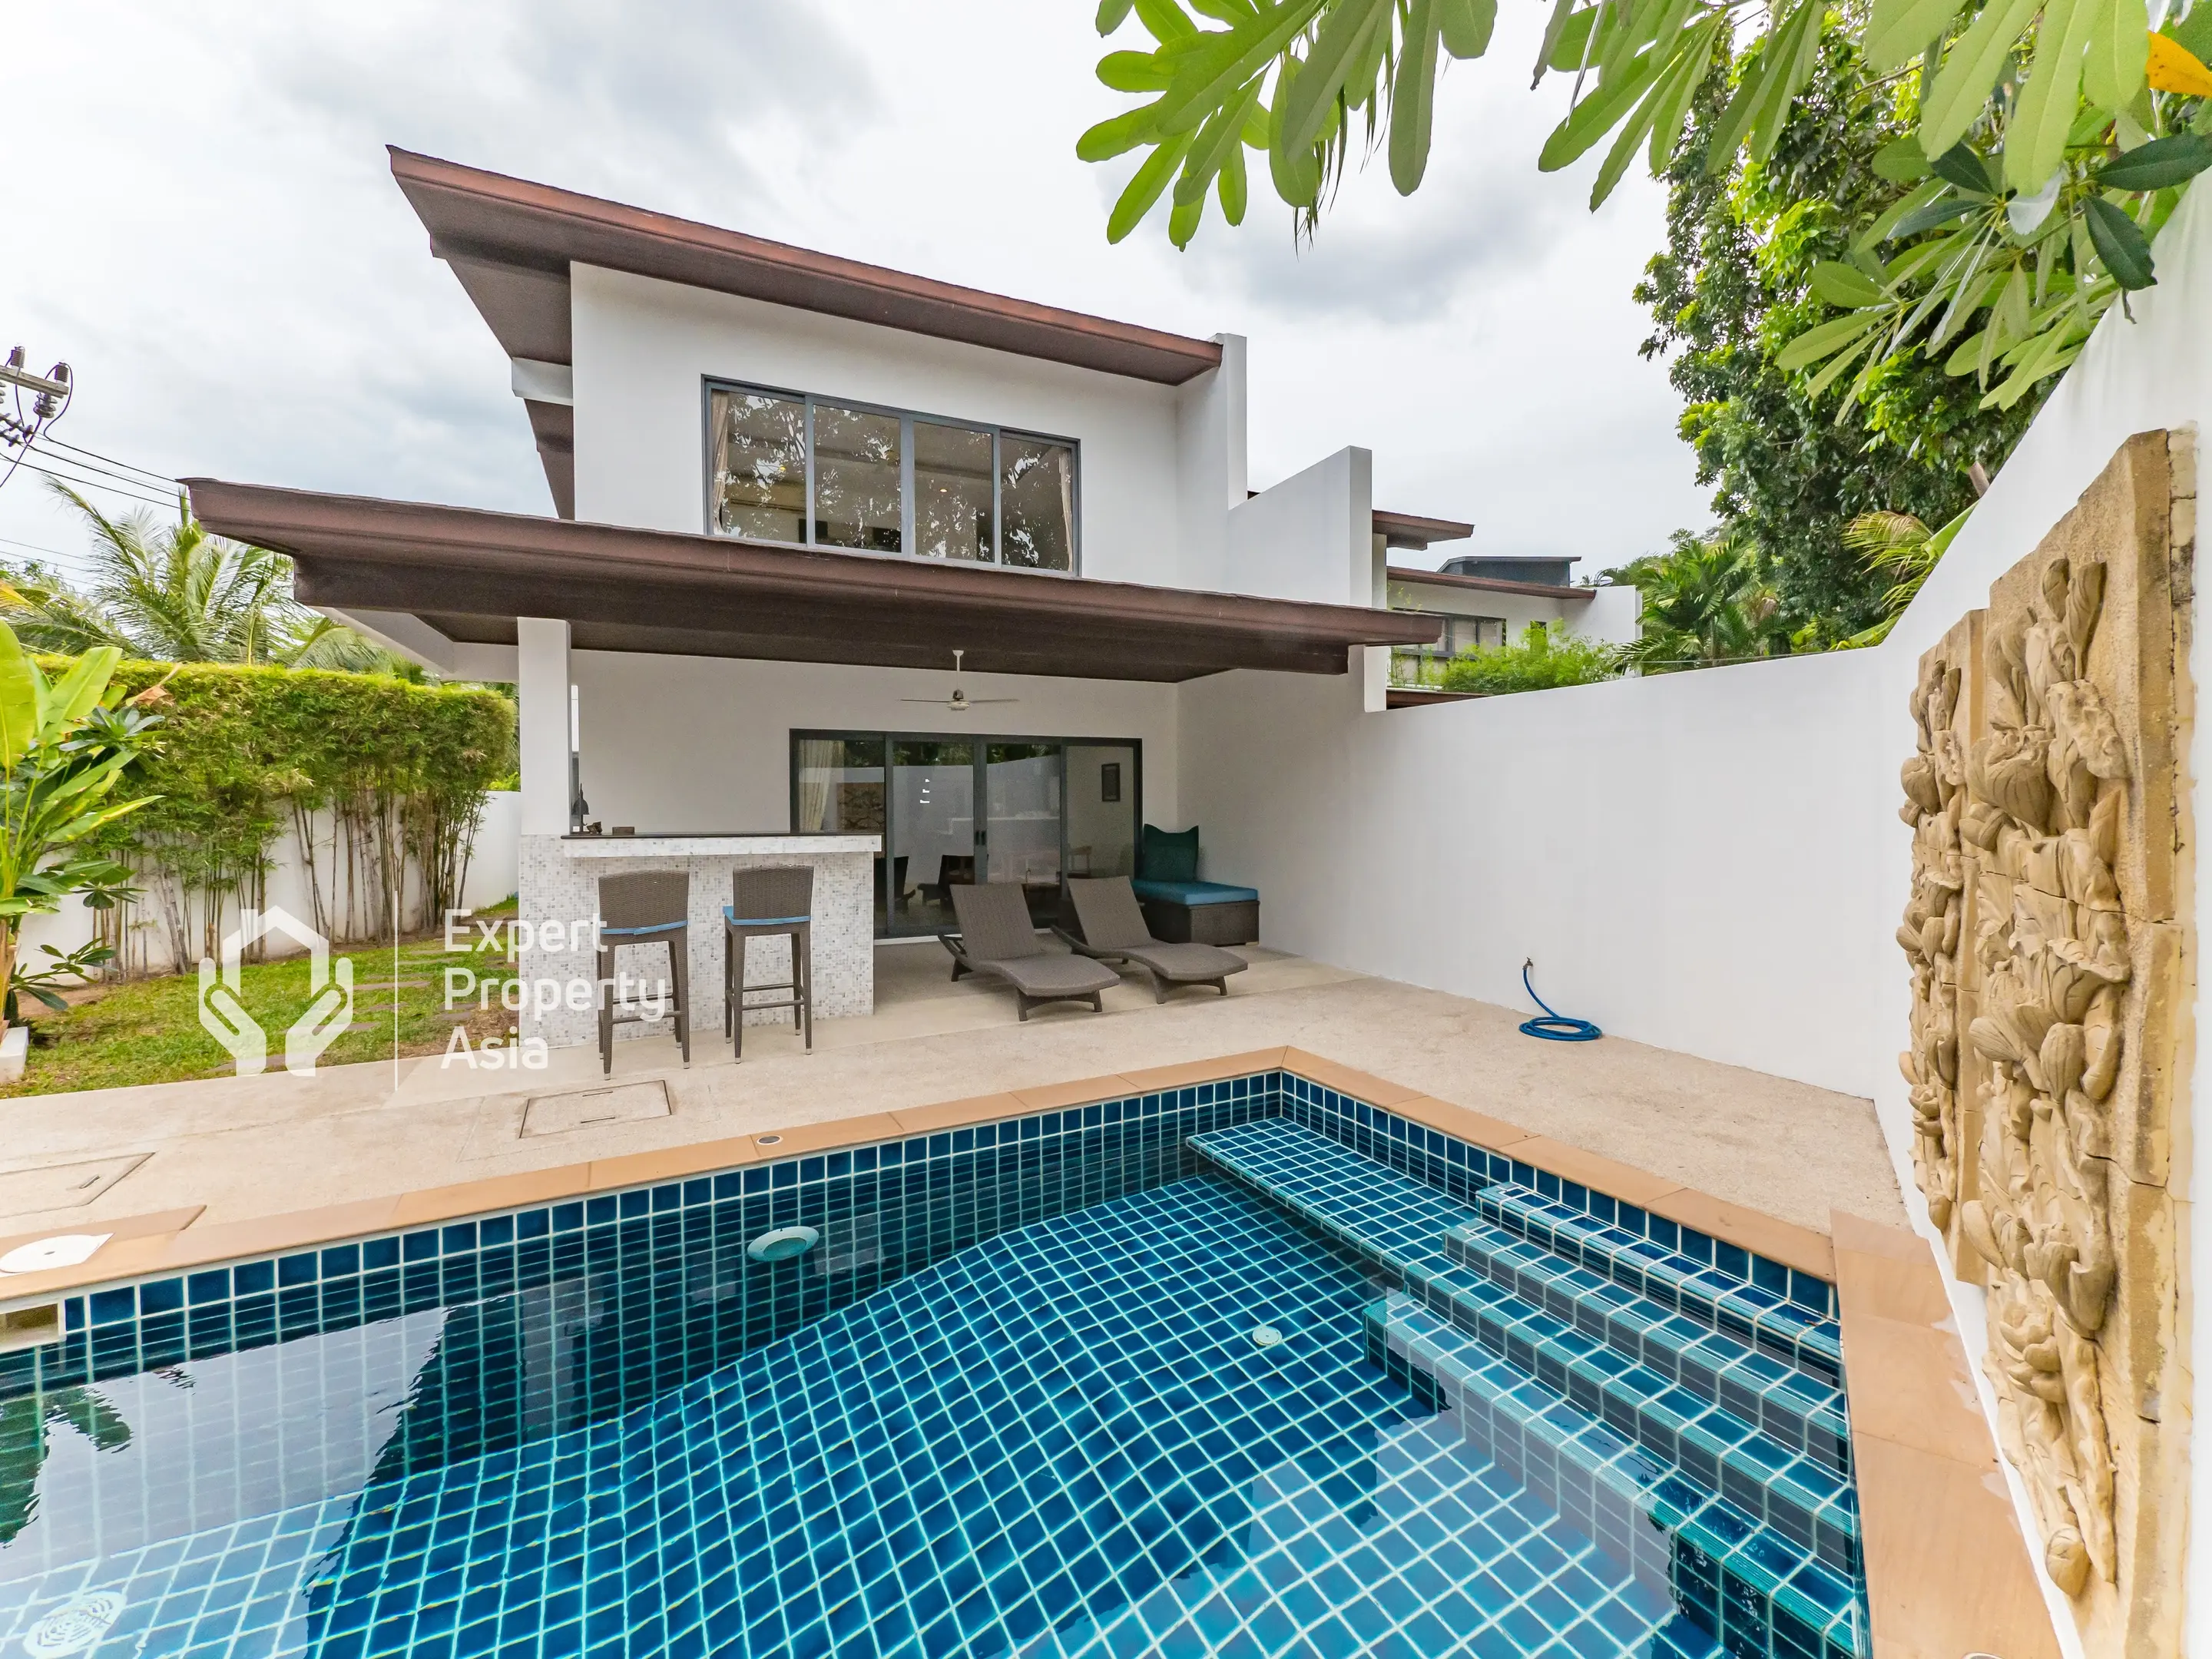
<point x="542" y="694"/>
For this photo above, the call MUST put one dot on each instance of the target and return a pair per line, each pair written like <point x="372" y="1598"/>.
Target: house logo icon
<point x="224" y="1017"/>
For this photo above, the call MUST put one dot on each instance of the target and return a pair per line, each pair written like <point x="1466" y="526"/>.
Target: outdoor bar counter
<point x="563" y="888"/>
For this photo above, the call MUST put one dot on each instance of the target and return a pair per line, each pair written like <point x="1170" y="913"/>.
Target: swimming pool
<point x="1012" y="1401"/>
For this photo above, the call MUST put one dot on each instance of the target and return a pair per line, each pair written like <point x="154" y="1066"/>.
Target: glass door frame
<point x="983" y="741"/>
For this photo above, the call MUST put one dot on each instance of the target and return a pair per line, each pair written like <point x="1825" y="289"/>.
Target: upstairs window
<point x="790" y="467"/>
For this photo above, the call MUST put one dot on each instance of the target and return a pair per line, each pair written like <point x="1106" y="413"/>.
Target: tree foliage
<point x="1734" y="286"/>
<point x="176" y="593"/>
<point x="2047" y="140"/>
<point x="1704" y="604"/>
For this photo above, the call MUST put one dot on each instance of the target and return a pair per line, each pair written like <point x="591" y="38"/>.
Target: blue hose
<point x="1553" y="1027"/>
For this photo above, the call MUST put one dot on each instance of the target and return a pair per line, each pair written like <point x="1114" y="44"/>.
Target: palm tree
<point x="177" y="594"/>
<point x="1901" y="546"/>
<point x="1704" y="604"/>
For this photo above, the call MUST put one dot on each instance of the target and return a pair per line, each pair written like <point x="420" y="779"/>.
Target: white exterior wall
<point x="1710" y="861"/>
<point x="1614" y="615"/>
<point x="1310" y="538"/>
<point x="703" y="744"/>
<point x="1606" y="830"/>
<point x="644" y="348"/>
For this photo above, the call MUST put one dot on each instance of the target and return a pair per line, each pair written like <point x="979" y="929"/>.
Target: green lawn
<point x="148" y="1030"/>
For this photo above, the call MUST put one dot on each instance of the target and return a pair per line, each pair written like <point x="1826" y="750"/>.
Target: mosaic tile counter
<point x="557" y="882"/>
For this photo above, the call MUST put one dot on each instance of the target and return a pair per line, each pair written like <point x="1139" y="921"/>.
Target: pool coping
<point x="1935" y="1512"/>
<point x="1947" y="1568"/>
<point x="169" y="1240"/>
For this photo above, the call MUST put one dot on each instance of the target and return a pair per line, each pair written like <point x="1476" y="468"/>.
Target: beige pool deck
<point x="238" y="1149"/>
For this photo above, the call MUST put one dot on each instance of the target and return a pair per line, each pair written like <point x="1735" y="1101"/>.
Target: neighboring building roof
<point x="468" y="574"/>
<point x="1490" y="584"/>
<point x="511" y="242"/>
<point x="1411" y="529"/>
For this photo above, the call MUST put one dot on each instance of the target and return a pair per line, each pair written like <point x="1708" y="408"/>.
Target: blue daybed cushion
<point x="1168" y="855"/>
<point x="1194" y="893"/>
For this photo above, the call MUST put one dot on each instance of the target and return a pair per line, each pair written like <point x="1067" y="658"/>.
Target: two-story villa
<point x="793" y="492"/>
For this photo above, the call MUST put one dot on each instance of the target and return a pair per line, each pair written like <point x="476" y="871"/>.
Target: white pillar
<point x="542" y="693"/>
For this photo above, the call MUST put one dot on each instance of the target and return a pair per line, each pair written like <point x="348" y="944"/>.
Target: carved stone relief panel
<point x="2053" y="977"/>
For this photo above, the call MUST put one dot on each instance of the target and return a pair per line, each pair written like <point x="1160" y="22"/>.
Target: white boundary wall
<point x="491" y="877"/>
<point x="1711" y="862"/>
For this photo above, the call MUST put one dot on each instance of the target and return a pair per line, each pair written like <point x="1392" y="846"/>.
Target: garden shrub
<point x="380" y="779"/>
<point x="1537" y="662"/>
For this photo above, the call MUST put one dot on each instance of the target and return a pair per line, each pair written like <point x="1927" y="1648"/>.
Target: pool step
<point x="1750" y="1587"/>
<point x="1637" y="1389"/>
<point x="1798" y="1336"/>
<point x="1802" y="1411"/>
<point x="1809" y="1502"/>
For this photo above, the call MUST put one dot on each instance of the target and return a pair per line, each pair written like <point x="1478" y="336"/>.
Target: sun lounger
<point x="997" y="938"/>
<point x="1113" y="929"/>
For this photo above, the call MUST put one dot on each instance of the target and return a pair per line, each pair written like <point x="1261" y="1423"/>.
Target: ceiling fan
<point x="960" y="702"/>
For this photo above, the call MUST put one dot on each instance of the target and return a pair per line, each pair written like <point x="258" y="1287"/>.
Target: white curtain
<point x="819" y="761"/>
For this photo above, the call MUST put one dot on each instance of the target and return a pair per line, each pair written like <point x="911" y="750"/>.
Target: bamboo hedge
<point x="380" y="780"/>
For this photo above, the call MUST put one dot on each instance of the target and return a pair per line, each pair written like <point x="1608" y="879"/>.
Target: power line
<point x="94" y="484"/>
<point x="158" y="477"/>
<point x="42" y="447"/>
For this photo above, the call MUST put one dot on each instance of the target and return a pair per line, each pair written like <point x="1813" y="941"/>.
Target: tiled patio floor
<point x="246" y="1147"/>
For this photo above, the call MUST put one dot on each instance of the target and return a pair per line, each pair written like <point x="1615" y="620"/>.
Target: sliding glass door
<point x="1050" y="808"/>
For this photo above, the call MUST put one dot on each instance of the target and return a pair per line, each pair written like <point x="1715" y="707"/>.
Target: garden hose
<point x="1553" y="1026"/>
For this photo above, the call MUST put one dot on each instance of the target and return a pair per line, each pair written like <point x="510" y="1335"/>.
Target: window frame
<point x="808" y="401"/>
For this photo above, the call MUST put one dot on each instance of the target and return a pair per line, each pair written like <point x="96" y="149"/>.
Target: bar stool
<point x="765" y="904"/>
<point x="647" y="908"/>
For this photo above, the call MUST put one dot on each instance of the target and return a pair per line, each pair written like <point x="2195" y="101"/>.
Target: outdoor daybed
<point x="1110" y="927"/>
<point x="997" y="938"/>
<point x="1178" y="907"/>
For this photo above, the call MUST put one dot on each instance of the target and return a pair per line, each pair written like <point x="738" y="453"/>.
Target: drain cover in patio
<point x="592" y="1109"/>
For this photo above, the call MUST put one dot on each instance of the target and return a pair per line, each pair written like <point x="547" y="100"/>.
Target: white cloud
<point x="216" y="244"/>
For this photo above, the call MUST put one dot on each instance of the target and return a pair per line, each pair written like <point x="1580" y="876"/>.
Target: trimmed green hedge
<point x="243" y="753"/>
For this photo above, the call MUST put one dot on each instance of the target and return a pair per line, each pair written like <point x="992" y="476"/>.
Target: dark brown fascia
<point x="820" y="604"/>
<point x="510" y="240"/>
<point x="1411" y="529"/>
<point x="1490" y="584"/>
<point x="554" y="427"/>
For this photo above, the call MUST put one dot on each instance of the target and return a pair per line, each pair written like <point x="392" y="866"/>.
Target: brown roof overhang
<point x="471" y="574"/>
<point x="510" y="243"/>
<point x="1411" y="530"/>
<point x="1491" y="584"/>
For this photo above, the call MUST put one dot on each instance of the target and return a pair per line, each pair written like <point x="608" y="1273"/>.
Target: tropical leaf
<point x="2120" y="244"/>
<point x="1412" y="98"/>
<point x="1821" y="339"/>
<point x="1900" y="31"/>
<point x="1144" y="189"/>
<point x="2035" y="138"/>
<point x="2119" y="53"/>
<point x="2172" y="67"/>
<point x="1466" y="26"/>
<point x="1112" y="14"/>
<point x="1335" y="55"/>
<point x="1969" y="73"/>
<point x="2157" y="165"/>
<point x="1843" y="285"/>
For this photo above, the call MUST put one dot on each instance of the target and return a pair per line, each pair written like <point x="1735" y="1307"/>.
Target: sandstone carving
<point x="2052" y="974"/>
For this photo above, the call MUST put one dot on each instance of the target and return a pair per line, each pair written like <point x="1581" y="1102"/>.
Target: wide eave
<point x="470" y="575"/>
<point x="511" y="242"/>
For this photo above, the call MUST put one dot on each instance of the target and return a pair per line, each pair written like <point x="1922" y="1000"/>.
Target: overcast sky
<point x="201" y="220"/>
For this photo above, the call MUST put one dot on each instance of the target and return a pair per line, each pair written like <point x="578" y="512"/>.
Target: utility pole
<point x="50" y="395"/>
